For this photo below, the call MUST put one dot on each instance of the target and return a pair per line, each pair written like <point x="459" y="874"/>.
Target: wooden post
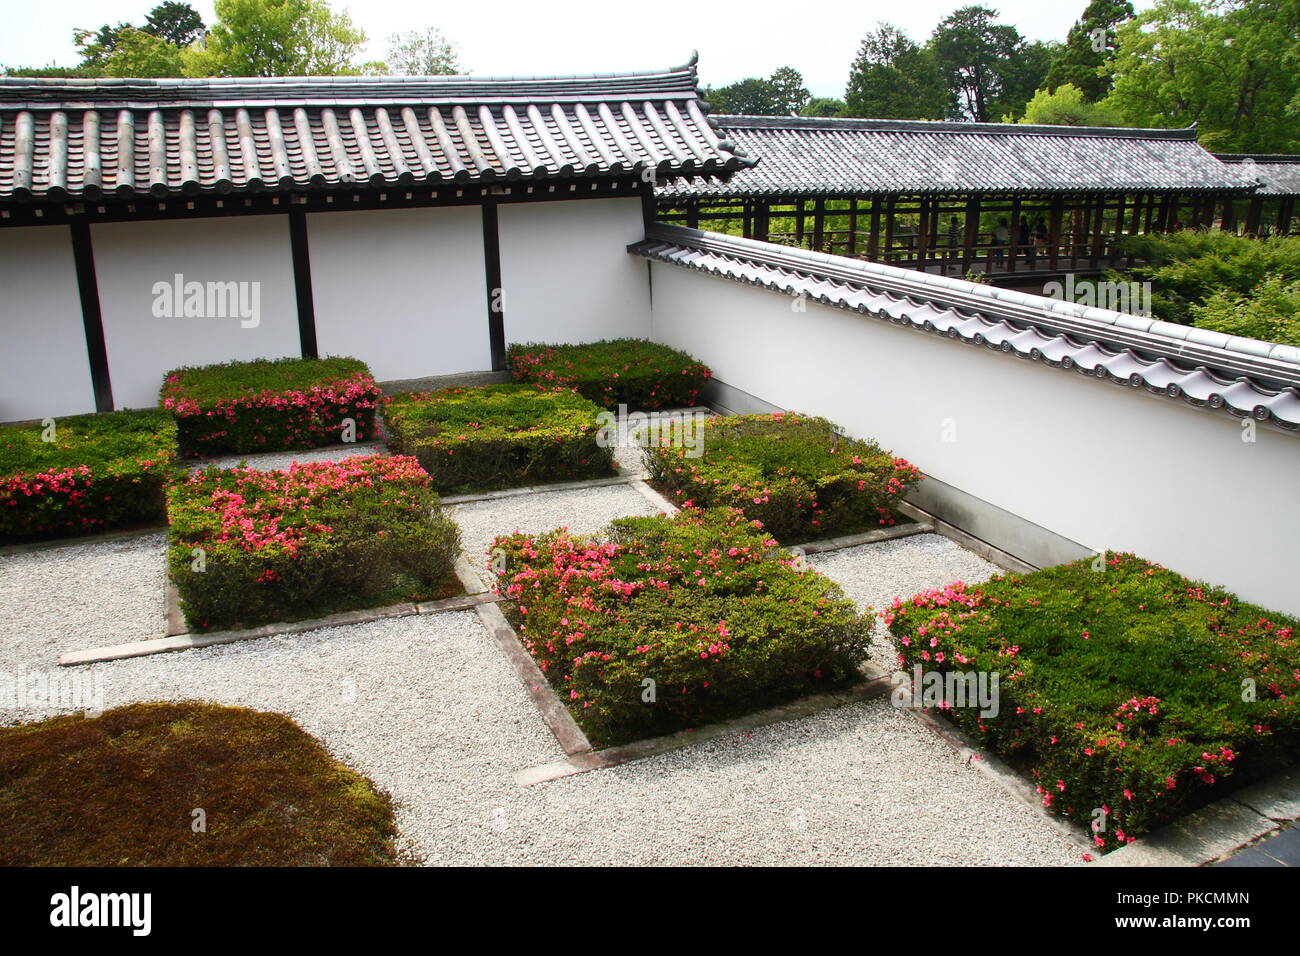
<point x="972" y="231"/>
<point x="1151" y="210"/>
<point x="873" y="238"/>
<point x="745" y="222"/>
<point x="853" y="227"/>
<point x="1098" y="231"/>
<point x="762" y="213"/>
<point x="693" y="214"/>
<point x="1228" y="215"/>
<point x="889" y="229"/>
<point x="798" y="223"/>
<point x="922" y="232"/>
<point x="1013" y="248"/>
<point x="1253" y="213"/>
<point x="1119" y="218"/>
<point x="819" y="224"/>
<point x="1054" y="234"/>
<point x="1284" y="215"/>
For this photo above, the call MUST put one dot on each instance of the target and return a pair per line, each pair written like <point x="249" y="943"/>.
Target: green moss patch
<point x="122" y="789"/>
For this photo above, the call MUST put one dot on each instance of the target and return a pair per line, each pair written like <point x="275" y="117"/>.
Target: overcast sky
<point x="817" y="37"/>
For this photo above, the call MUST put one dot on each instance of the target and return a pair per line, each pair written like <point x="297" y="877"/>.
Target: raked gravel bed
<point x="874" y="574"/>
<point x="81" y="595"/>
<point x="277" y="460"/>
<point x="581" y="510"/>
<point x="428" y="709"/>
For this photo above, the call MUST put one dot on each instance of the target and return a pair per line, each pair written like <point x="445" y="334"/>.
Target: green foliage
<point x="1232" y="68"/>
<point x="177" y="23"/>
<point x="781" y="94"/>
<point x="670" y="623"/>
<point x="498" y="436"/>
<point x="270" y="404"/>
<point x="422" y="53"/>
<point x="1125" y="689"/>
<point x="118" y="790"/>
<point x="1188" y="269"/>
<point x="99" y="472"/>
<point x="1086" y="60"/>
<point x="1067" y="106"/>
<point x="633" y="372"/>
<point x="311" y="540"/>
<point x="277" y="38"/>
<point x="794" y="474"/>
<point x="824" y="106"/>
<point x="1271" y="312"/>
<point x="985" y="65"/>
<point x="893" y="78"/>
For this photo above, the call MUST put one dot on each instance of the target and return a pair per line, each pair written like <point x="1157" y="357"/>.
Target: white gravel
<point x="79" y="596"/>
<point x="428" y="709"/>
<point x="582" y="511"/>
<point x="278" y="460"/>
<point x="874" y="574"/>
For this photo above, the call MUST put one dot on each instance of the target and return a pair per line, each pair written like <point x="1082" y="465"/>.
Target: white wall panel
<point x="1104" y="465"/>
<point x="402" y="289"/>
<point x="131" y="257"/>
<point x="566" y="273"/>
<point x="44" y="370"/>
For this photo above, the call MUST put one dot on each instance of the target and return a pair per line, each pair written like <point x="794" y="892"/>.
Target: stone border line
<point x="107" y="537"/>
<point x="876" y="683"/>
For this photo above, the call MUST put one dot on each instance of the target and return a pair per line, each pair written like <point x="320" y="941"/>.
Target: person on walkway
<point x="1022" y="241"/>
<point x="1040" y="236"/>
<point x="1001" y="236"/>
<point x="954" y="233"/>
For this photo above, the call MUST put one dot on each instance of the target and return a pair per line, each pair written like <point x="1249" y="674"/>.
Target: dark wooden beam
<point x="92" y="318"/>
<point x="873" y="238"/>
<point x="972" y="231"/>
<point x="302" y="283"/>
<point x="1054" y="233"/>
<point x="853" y="227"/>
<point x="496" y="301"/>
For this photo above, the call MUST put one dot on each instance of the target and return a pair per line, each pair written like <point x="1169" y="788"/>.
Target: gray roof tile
<point x="1245" y="377"/>
<point x="802" y="156"/>
<point x="62" y="139"/>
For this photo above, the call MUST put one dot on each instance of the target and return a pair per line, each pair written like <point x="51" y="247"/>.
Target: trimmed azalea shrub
<point x="249" y="547"/>
<point x="669" y="623"/>
<point x="793" y="473"/>
<point x="84" y="473"/>
<point x="271" y="405"/>
<point x="637" y="373"/>
<point x="1131" y="694"/>
<point x="499" y="436"/>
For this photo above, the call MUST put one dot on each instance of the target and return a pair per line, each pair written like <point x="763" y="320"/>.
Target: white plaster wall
<point x="131" y="256"/>
<point x="44" y="370"/>
<point x="1104" y="465"/>
<point x="566" y="273"/>
<point x="402" y="289"/>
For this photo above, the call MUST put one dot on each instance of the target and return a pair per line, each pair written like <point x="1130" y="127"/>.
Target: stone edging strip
<point x="1003" y="559"/>
<point x="536" y="490"/>
<point x="554" y="714"/>
<point x="821" y="546"/>
<point x="185" y="642"/>
<point x="1217" y="829"/>
<point x="876" y="683"/>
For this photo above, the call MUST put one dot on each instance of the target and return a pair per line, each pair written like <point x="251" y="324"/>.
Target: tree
<point x="1086" y="60"/>
<point x="1233" y="68"/>
<point x="1066" y="106"/>
<point x="824" y="106"/>
<point x="423" y="53"/>
<point x="142" y="54"/>
<point x="96" y="46"/>
<point x="782" y="94"/>
<point x="177" y="23"/>
<point x="789" y="95"/>
<point x="975" y="56"/>
<point x="276" y="38"/>
<point x="1022" y="76"/>
<point x="893" y="78"/>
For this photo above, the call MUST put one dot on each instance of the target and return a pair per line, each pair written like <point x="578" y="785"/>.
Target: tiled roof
<point x="1278" y="175"/>
<point x="1204" y="368"/>
<point x="63" y="139"/>
<point x="856" y="157"/>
